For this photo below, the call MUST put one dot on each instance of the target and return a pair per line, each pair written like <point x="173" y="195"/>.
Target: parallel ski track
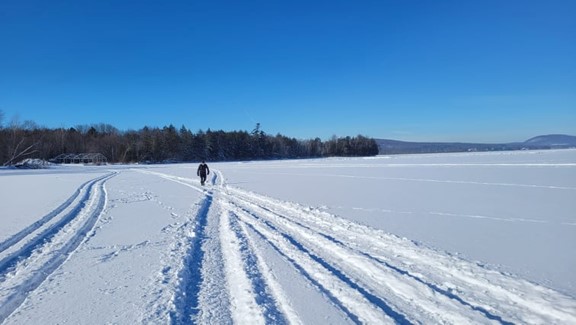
<point x="364" y="288"/>
<point x="45" y="245"/>
<point x="11" y="241"/>
<point x="393" y="281"/>
<point x="392" y="276"/>
<point x="255" y="278"/>
<point x="39" y="223"/>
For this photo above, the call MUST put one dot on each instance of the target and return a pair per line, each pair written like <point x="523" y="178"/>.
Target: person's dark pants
<point x="202" y="178"/>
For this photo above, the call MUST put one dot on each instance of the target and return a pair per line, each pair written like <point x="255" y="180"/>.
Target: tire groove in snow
<point x="187" y="296"/>
<point x="441" y="291"/>
<point x="51" y="248"/>
<point x="36" y="225"/>
<point x="38" y="240"/>
<point x="197" y="292"/>
<point x="484" y="291"/>
<point x="400" y="271"/>
<point x="244" y="307"/>
<point x="194" y="293"/>
<point x="262" y="295"/>
<point x="277" y="292"/>
<point x="316" y="283"/>
<point x="372" y="298"/>
<point x="352" y="301"/>
<point x="367" y="274"/>
<point x="213" y="298"/>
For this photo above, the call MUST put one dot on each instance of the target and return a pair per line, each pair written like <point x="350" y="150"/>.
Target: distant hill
<point x="552" y="141"/>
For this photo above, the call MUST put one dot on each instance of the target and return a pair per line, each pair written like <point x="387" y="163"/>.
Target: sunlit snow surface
<point x="453" y="238"/>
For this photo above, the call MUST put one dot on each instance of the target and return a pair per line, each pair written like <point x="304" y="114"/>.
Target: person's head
<point x="203" y="161"/>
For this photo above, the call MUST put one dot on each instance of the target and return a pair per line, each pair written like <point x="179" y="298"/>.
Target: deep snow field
<point x="484" y="238"/>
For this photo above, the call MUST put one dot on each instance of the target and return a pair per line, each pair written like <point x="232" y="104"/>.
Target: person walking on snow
<point x="203" y="171"/>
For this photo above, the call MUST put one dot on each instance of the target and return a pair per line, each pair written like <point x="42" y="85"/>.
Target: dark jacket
<point x="203" y="170"/>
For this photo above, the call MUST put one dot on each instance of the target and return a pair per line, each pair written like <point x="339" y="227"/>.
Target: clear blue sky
<point x="420" y="70"/>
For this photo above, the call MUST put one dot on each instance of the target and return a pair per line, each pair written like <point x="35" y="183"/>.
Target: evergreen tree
<point x="22" y="140"/>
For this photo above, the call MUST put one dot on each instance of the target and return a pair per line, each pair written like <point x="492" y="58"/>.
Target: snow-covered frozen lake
<point x="455" y="238"/>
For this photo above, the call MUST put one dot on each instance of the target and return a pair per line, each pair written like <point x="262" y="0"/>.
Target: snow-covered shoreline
<point x="472" y="237"/>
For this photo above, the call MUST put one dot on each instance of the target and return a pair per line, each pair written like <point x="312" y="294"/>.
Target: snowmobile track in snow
<point x="34" y="253"/>
<point x="31" y="228"/>
<point x="186" y="301"/>
<point x="369" y="275"/>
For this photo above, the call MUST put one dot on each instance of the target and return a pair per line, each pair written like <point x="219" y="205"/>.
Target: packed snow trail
<point x="31" y="255"/>
<point x="235" y="256"/>
<point x="368" y="275"/>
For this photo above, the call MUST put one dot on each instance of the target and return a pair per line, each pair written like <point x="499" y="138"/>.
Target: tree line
<point x="168" y="144"/>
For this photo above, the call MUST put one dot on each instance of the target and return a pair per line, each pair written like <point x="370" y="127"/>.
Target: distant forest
<point x="168" y="144"/>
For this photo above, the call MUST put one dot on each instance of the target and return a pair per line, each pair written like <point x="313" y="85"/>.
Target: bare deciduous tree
<point x="18" y="144"/>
